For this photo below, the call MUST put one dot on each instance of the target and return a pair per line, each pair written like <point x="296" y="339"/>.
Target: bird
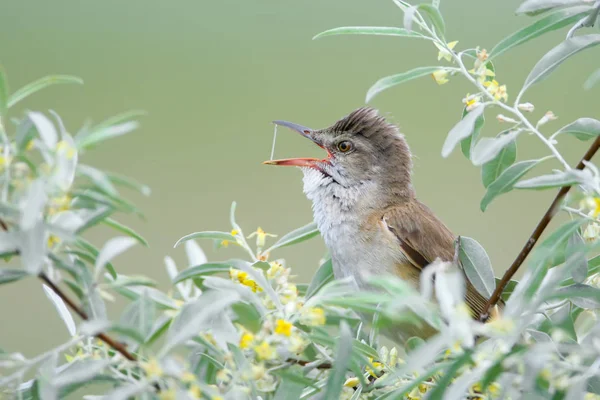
<point x="365" y="205"/>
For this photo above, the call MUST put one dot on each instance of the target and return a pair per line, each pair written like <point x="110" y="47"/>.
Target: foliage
<point x="240" y="329"/>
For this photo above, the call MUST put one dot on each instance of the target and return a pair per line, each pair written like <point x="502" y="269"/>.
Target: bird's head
<point x="362" y="148"/>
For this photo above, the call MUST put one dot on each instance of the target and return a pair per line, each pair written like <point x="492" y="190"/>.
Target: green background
<point x="212" y="75"/>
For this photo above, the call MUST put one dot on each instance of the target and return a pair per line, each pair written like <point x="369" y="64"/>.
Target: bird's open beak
<point x="298" y="162"/>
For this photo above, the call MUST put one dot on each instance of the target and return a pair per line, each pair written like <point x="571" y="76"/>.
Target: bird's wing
<point x="423" y="238"/>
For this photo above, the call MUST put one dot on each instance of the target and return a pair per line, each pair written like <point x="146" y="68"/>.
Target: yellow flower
<point x="494" y="88"/>
<point x="258" y="371"/>
<point x="297" y="344"/>
<point x="289" y="294"/>
<point x="313" y="316"/>
<point x="246" y="340"/>
<point x="242" y="277"/>
<point x="482" y="72"/>
<point x="169" y="394"/>
<point x="195" y="392"/>
<point x="58" y="204"/>
<point x="591" y="232"/>
<point x="502" y="325"/>
<point x="223" y="375"/>
<point x="274" y="270"/>
<point x="261" y="236"/>
<point x="440" y="76"/>
<point x="351" y="382"/>
<point x="52" y="241"/>
<point x="376" y="365"/>
<point x="471" y="101"/>
<point x="188" y="377"/>
<point x="283" y="327"/>
<point x="65" y="148"/>
<point x="152" y="368"/>
<point x="234" y="232"/>
<point x="264" y="351"/>
<point x="482" y="55"/>
<point x="445" y="53"/>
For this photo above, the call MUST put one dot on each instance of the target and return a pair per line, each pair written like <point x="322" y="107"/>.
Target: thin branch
<point x="539" y="229"/>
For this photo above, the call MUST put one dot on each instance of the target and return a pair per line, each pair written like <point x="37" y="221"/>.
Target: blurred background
<point x="213" y="75"/>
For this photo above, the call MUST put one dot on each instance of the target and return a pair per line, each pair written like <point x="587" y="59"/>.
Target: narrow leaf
<point x="207" y="235"/>
<point x="11" y="275"/>
<point x="507" y="180"/>
<point x="40" y="84"/>
<point x="111" y="249"/>
<point x="549" y="23"/>
<point x="337" y="375"/>
<point x="201" y="270"/>
<point x="80" y="371"/>
<point x="323" y="276"/>
<point x="45" y="129"/>
<point x="463" y="129"/>
<point x="491" y="170"/>
<point x="576" y="258"/>
<point x="393" y="80"/>
<point x="477" y="266"/>
<point x="591" y="81"/>
<point x="582" y="129"/>
<point x="558" y="55"/>
<point x="126" y="230"/>
<point x="558" y="179"/>
<point x="488" y="149"/>
<point x="296" y="236"/>
<point x="62" y="309"/>
<point x="106" y="133"/>
<point x="370" y="30"/>
<point x="467" y="143"/>
<point x="533" y="7"/>
<point x="435" y="16"/>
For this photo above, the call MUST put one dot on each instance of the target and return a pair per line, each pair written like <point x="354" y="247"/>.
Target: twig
<point x="304" y="363"/>
<point x="539" y="229"/>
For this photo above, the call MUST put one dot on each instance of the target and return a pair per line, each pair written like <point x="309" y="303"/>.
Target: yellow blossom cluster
<point x="243" y="278"/>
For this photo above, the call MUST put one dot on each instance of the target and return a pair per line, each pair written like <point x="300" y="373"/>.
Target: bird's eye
<point x="344" y="146"/>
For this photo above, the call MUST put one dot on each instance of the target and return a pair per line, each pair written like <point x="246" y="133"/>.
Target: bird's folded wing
<point x="423" y="238"/>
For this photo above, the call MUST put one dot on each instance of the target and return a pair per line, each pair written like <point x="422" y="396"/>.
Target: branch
<point x="539" y="229"/>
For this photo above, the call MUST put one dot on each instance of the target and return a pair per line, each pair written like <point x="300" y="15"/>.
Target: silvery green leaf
<point x="234" y="224"/>
<point x="370" y="30"/>
<point x="556" y="20"/>
<point x="576" y="390"/>
<point x="337" y="376"/>
<point x="193" y="316"/>
<point x="467" y="144"/>
<point x="125" y="229"/>
<point x="449" y="290"/>
<point x="461" y="385"/>
<point x="32" y="247"/>
<point x="409" y="16"/>
<point x="584" y="296"/>
<point x="558" y="179"/>
<point x="537" y="6"/>
<point x="123" y="280"/>
<point x="105" y="133"/>
<point x="296" y="236"/>
<point x="558" y="55"/>
<point x="507" y="179"/>
<point x="33" y="205"/>
<point x="62" y="309"/>
<point x="9" y="242"/>
<point x="127" y="391"/>
<point x="65" y="163"/>
<point x="491" y="170"/>
<point x="207" y="235"/>
<point x="11" y="275"/>
<point x="393" y="80"/>
<point x="223" y="330"/>
<point x="45" y="129"/>
<point x="477" y="266"/>
<point x="202" y="270"/>
<point x="68" y="221"/>
<point x="244" y="292"/>
<point x="582" y="129"/>
<point x="435" y="17"/>
<point x="577" y="258"/>
<point x="80" y="371"/>
<point x="157" y="296"/>
<point x="184" y="288"/>
<point x="194" y="253"/>
<point x="461" y="130"/>
<point x="289" y="389"/>
<point x="323" y="276"/>
<point x="140" y="315"/>
<point x="94" y="327"/>
<point x="487" y="149"/>
<point x="40" y="84"/>
<point x="98" y="177"/>
<point x="110" y="250"/>
<point x="591" y="81"/>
